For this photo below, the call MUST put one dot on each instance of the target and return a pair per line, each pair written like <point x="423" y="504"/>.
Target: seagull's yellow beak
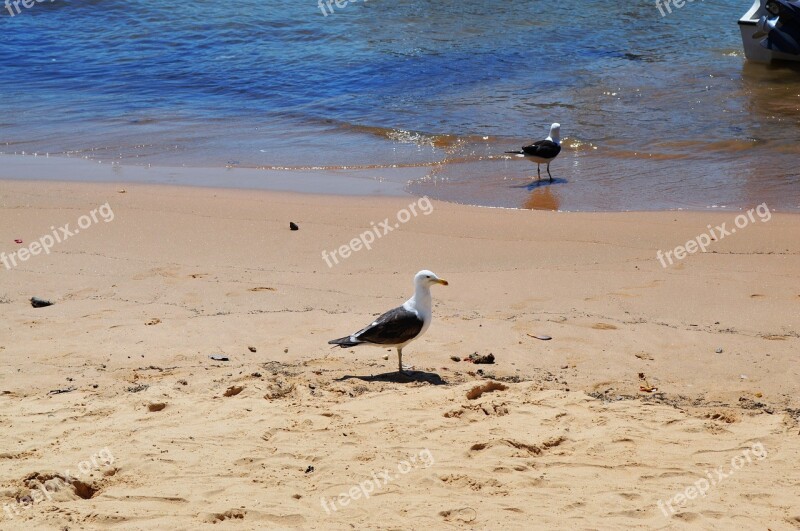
<point x="442" y="282"/>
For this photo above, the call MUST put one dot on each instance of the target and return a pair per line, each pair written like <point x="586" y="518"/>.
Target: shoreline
<point x="30" y="168"/>
<point x="376" y="182"/>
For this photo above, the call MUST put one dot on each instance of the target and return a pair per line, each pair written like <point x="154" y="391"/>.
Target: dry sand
<point x="570" y="442"/>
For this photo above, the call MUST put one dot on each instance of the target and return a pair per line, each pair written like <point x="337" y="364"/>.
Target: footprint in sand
<point x="603" y="326"/>
<point x="489" y="387"/>
<point x="167" y="272"/>
<point x="233" y="514"/>
<point x="67" y="487"/>
<point x="279" y="389"/>
<point x="233" y="390"/>
<point x="474" y="484"/>
<point x="722" y="416"/>
<point x="466" y="514"/>
<point x="512" y="448"/>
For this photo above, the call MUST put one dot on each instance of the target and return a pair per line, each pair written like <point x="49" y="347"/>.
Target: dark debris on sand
<point x="486" y="359"/>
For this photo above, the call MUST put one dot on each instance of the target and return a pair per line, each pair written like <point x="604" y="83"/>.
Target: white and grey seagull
<point x="543" y="151"/>
<point x="400" y="326"/>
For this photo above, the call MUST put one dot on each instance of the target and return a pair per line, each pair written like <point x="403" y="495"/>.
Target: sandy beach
<point x="114" y="415"/>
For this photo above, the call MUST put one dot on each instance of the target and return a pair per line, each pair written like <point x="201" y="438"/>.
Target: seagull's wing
<point x="546" y="149"/>
<point x="392" y="328"/>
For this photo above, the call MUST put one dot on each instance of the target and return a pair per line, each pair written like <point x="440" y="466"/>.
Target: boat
<point x="771" y="31"/>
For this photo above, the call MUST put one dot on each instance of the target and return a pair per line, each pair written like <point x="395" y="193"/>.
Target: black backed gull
<point x="543" y="151"/>
<point x="400" y="326"/>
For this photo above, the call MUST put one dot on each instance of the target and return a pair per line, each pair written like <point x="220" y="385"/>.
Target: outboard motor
<point x="782" y="29"/>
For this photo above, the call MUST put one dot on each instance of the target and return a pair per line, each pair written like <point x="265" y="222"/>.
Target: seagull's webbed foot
<point x="406" y="369"/>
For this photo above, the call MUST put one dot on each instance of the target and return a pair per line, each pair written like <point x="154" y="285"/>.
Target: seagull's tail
<point x="344" y="342"/>
<point x="518" y="152"/>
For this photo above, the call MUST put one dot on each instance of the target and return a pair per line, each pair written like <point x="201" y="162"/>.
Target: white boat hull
<point x="753" y="50"/>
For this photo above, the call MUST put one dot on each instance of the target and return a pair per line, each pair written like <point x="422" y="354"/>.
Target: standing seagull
<point x="543" y="151"/>
<point x="400" y="326"/>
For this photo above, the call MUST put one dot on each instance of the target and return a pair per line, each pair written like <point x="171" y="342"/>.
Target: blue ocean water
<point x="658" y="111"/>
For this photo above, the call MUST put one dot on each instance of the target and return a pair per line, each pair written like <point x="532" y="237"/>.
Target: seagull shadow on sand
<point x="397" y="377"/>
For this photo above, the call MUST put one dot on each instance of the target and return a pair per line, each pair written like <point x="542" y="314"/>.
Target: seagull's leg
<point x="403" y="369"/>
<point x="539" y="171"/>
<point x="548" y="172"/>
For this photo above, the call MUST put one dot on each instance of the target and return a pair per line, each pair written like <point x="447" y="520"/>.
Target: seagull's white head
<point x="555" y="133"/>
<point x="427" y="278"/>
